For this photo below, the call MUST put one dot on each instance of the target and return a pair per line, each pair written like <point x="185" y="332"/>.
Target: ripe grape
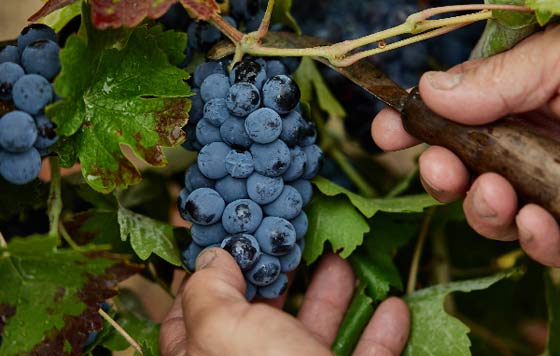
<point x="239" y="164"/>
<point x="204" y="206"/>
<point x="243" y="215"/>
<point x="265" y="271"/>
<point x="18" y="131"/>
<point x="276" y="288"/>
<point x="276" y="236"/>
<point x="263" y="189"/>
<point x="33" y="33"/>
<point x="281" y="94"/>
<point x="10" y="73"/>
<point x="288" y="205"/>
<point x="271" y="159"/>
<point x="41" y="57"/>
<point x="20" y="168"/>
<point x="263" y="125"/>
<point x="243" y="248"/>
<point x="242" y="99"/>
<point x="31" y="93"/>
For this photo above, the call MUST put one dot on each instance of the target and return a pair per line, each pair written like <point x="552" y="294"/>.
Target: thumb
<point x="480" y="91"/>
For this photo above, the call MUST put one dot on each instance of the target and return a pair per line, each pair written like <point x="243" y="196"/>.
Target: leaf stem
<point x="3" y="243"/>
<point x="226" y="28"/>
<point x="121" y="331"/>
<point x="55" y="197"/>
<point x="265" y="23"/>
<point x="425" y="229"/>
<point x="66" y="236"/>
<point x="363" y="186"/>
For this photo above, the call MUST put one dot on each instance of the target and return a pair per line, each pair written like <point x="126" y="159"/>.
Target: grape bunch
<point x="26" y="73"/>
<point x="247" y="189"/>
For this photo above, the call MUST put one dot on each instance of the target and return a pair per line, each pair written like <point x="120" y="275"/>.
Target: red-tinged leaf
<point x="201" y="9"/>
<point x="50" y="6"/>
<point x="118" y="13"/>
<point x="49" y="297"/>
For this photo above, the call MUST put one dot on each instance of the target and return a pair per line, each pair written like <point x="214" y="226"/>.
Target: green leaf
<point x="544" y="9"/>
<point x="434" y="332"/>
<point x="355" y="320"/>
<point x="505" y="30"/>
<point x="552" y="280"/>
<point x="120" y="87"/>
<point x="335" y="220"/>
<point x="311" y="85"/>
<point x="148" y="236"/>
<point x="59" y="18"/>
<point x="281" y="14"/>
<point x="369" y="207"/>
<point x="48" y="297"/>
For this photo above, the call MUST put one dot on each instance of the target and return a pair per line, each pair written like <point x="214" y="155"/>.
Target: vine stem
<point x="3" y="243"/>
<point x="66" y="236"/>
<point x="121" y="331"/>
<point x="55" y="197"/>
<point x="413" y="275"/>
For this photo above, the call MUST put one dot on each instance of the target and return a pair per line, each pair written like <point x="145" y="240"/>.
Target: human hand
<point x="210" y="315"/>
<point x="524" y="80"/>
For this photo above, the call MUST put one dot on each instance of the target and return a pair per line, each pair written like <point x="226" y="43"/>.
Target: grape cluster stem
<point x="55" y="198"/>
<point x="342" y="54"/>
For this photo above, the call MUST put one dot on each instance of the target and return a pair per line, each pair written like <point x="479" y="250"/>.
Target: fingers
<point x="522" y="79"/>
<point x="388" y="132"/>
<point x="387" y="332"/>
<point x="490" y="207"/>
<point x="539" y="235"/>
<point x="327" y="298"/>
<point x="443" y="175"/>
<point x="219" y="321"/>
<point x="172" y="336"/>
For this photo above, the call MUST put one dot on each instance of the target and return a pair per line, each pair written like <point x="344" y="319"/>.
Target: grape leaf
<point x="148" y="236"/>
<point x="120" y="88"/>
<point x="281" y="14"/>
<point x="434" y="332"/>
<point x="59" y="18"/>
<point x="311" y="85"/>
<point x="369" y="207"/>
<point x="118" y="13"/>
<point x="505" y="30"/>
<point x="201" y="9"/>
<point x="552" y="280"/>
<point x="545" y="10"/>
<point x="49" y="297"/>
<point x="335" y="220"/>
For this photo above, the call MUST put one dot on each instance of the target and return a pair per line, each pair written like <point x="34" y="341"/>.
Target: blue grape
<point x="244" y="9"/>
<point x="202" y="35"/>
<point x="92" y="336"/>
<point x="248" y="71"/>
<point x="314" y="157"/>
<point x="20" y="168"/>
<point x="191" y="143"/>
<point x="242" y="99"/>
<point x="194" y="179"/>
<point x="271" y="159"/>
<point x="239" y="164"/>
<point x="287" y="206"/>
<point x="275" y="67"/>
<point x="214" y="86"/>
<point x="181" y="199"/>
<point x="216" y="111"/>
<point x="300" y="224"/>
<point x="244" y="248"/>
<point x="10" y="73"/>
<point x="206" y="235"/>
<point x="18" y="131"/>
<point x="206" y="69"/>
<point x="291" y="63"/>
<point x="250" y="291"/>
<point x="309" y="135"/>
<point x="31" y="93"/>
<point x="254" y="22"/>
<point x="263" y="125"/>
<point x="232" y="188"/>
<point x="190" y="254"/>
<point x="297" y="166"/>
<point x="265" y="271"/>
<point x="41" y="57"/>
<point x="204" y="206"/>
<point x="305" y="189"/>
<point x="276" y="236"/>
<point x="211" y="160"/>
<point x="243" y="215"/>
<point x="293" y="126"/>
<point x="33" y="33"/>
<point x="196" y="107"/>
<point x="9" y="54"/>
<point x="234" y="134"/>
<point x="276" y="288"/>
<point x="263" y="189"/>
<point x="290" y="261"/>
<point x="281" y="94"/>
<point x="46" y="136"/>
<point x="207" y="133"/>
<point x="175" y="18"/>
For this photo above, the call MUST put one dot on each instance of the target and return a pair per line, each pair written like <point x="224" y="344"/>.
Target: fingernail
<point x="444" y="80"/>
<point x="481" y="206"/>
<point x="524" y="234"/>
<point x="430" y="187"/>
<point x="204" y="259"/>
